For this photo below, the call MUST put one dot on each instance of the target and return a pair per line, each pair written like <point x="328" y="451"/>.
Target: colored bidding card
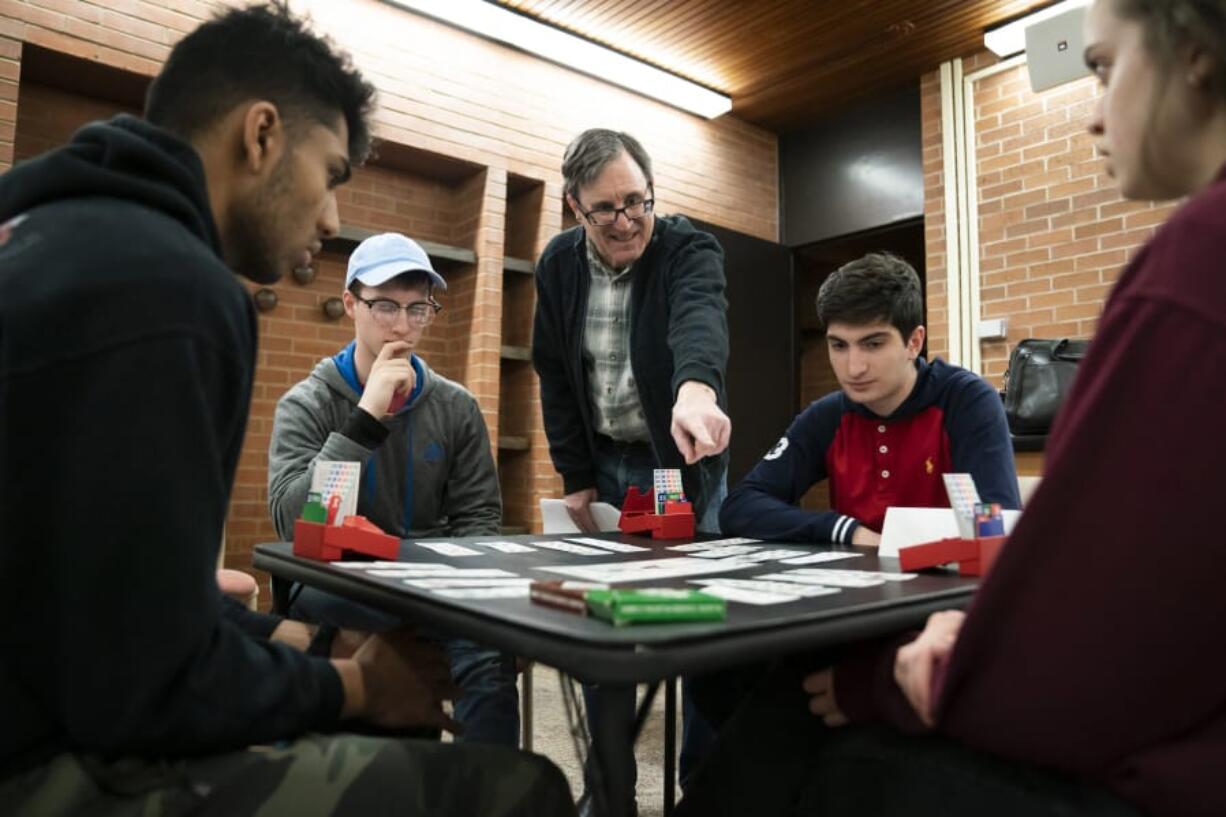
<point x="963" y="497"/>
<point x="340" y="479"/>
<point x="668" y="487"/>
<point x="989" y="520"/>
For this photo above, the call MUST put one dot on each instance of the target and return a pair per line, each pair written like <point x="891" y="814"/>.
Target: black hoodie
<point x="127" y="351"/>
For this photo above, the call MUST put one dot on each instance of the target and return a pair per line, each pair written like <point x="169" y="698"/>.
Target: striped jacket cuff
<point x="844" y="527"/>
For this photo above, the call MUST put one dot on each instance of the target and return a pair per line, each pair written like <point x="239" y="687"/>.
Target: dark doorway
<point x="762" y="341"/>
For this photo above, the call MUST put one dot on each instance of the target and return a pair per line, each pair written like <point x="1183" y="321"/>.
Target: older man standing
<point x="630" y="342"/>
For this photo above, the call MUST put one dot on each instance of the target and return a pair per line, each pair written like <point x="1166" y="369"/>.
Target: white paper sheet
<point x="506" y="547"/>
<point x="648" y="570"/>
<point x="616" y="547"/>
<point x="359" y="565"/>
<point x="410" y="572"/>
<point x="570" y="547"/>
<point x="519" y="591"/>
<point x="739" y="594"/>
<point x="825" y="556"/>
<point x="434" y="583"/>
<point x="792" y="589"/>
<point x="556" y="521"/>
<point x="724" y="551"/>
<point x="776" y="555"/>
<point x="851" y="580"/>
<point x="448" y="549"/>
<point x="694" y="547"/>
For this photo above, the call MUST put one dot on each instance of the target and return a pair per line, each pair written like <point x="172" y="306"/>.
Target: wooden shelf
<point x="443" y="254"/>
<point x="518" y="265"/>
<point x="510" y="442"/>
<point x="517" y="353"/>
<point x="514" y="530"/>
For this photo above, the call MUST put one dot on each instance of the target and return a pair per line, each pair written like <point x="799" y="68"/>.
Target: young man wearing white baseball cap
<point x="427" y="468"/>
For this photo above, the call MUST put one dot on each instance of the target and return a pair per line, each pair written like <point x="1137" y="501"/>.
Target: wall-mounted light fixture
<point x="577" y="54"/>
<point x="1010" y="38"/>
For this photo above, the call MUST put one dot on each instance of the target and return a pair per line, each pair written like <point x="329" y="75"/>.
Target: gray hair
<point x="589" y="152"/>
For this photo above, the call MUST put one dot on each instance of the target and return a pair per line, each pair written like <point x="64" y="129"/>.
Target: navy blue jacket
<point x="952" y="422"/>
<point x="678" y="332"/>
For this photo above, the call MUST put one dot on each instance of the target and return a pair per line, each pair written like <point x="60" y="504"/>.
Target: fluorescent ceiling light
<point x="1011" y="39"/>
<point x="575" y="53"/>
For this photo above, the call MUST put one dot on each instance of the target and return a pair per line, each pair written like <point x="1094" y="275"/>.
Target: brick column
<point x="10" y="77"/>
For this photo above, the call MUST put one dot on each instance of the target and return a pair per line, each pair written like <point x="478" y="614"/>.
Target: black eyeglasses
<point x="386" y="311"/>
<point x="604" y="216"/>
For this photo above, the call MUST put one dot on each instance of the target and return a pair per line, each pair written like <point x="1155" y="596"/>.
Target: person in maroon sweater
<point x="1089" y="676"/>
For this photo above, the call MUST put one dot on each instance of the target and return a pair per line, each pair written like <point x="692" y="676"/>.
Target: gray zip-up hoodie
<point x="426" y="471"/>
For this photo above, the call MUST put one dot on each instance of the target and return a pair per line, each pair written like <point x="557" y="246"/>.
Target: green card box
<point x="649" y="605"/>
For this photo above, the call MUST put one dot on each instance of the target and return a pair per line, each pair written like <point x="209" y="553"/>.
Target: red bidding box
<point x="975" y="557"/>
<point x="357" y="534"/>
<point x="639" y="516"/>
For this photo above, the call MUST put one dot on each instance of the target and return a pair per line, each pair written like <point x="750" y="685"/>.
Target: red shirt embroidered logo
<point x="7" y="228"/>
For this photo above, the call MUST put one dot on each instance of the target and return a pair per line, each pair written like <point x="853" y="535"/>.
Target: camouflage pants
<point x="315" y="775"/>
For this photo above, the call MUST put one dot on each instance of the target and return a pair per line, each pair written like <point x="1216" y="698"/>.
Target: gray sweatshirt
<point x="426" y="471"/>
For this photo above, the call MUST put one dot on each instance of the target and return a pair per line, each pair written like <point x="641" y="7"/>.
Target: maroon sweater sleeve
<point x="1095" y="646"/>
<point x="1096" y="643"/>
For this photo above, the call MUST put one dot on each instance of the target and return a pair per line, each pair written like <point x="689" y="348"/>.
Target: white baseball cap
<point x="382" y="257"/>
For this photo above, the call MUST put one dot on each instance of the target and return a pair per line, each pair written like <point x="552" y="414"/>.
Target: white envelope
<point x="904" y="527"/>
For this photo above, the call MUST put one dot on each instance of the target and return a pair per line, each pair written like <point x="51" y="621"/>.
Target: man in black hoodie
<point x="127" y="351"/>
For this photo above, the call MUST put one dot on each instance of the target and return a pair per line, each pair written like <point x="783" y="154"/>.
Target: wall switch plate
<point x="993" y="328"/>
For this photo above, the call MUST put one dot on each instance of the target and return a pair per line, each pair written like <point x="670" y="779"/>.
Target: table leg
<point x="670" y="745"/>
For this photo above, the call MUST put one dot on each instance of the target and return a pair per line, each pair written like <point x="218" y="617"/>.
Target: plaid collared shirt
<point x="606" y="353"/>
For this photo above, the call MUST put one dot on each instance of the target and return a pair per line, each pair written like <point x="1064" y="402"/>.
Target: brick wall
<point x="504" y="114"/>
<point x="10" y="77"/>
<point x="47" y="117"/>
<point x="1053" y="231"/>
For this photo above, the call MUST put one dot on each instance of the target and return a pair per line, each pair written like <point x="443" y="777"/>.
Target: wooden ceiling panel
<point x="785" y="63"/>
